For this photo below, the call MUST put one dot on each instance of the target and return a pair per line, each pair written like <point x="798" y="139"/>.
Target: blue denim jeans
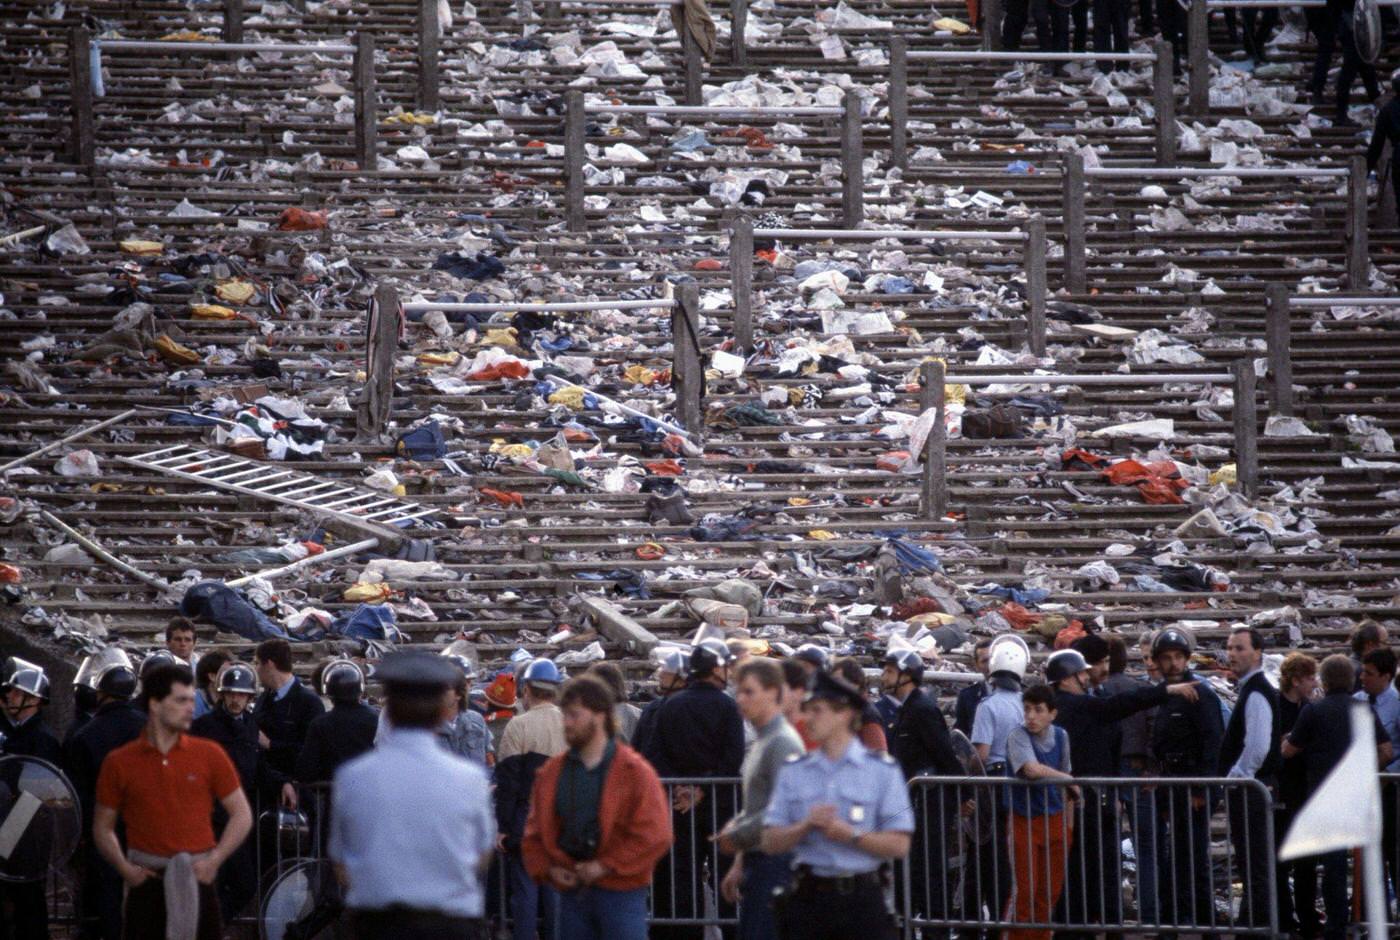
<point x="762" y="875"/>
<point x="533" y="907"/>
<point x="599" y="914"/>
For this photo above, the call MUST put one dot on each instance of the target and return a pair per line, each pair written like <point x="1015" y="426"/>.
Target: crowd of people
<point x="561" y="780"/>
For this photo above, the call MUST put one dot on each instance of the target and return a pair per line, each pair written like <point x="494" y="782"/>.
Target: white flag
<point x="1345" y="812"/>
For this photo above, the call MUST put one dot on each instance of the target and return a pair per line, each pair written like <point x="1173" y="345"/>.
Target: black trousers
<point x="1257" y="30"/>
<point x="1172" y="20"/>
<point x="27" y="917"/>
<point x="1014" y="25"/>
<point x="102" y="892"/>
<point x="402" y="923"/>
<point x="145" y="912"/>
<point x="1060" y="18"/>
<point x="1093" y="872"/>
<point x="1247" y="812"/>
<point x="1352" y="66"/>
<point x="1184" y="876"/>
<point x="1111" y="26"/>
<point x="814" y="914"/>
<point x="1297" y="885"/>
<point x="1324" y="30"/>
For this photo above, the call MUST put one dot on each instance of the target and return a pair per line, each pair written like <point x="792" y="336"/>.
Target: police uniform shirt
<point x="868" y="792"/>
<point x="115" y="724"/>
<point x="410" y="823"/>
<point x="997" y="714"/>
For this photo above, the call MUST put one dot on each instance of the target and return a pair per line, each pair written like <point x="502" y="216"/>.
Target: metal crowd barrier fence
<point x="1163" y="855"/>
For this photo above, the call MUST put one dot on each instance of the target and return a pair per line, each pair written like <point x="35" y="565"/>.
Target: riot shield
<point x="40" y="820"/>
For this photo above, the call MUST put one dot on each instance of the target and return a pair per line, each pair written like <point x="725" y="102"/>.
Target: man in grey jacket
<point x="755" y="875"/>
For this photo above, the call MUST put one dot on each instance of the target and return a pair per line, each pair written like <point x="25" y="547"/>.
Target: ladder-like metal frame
<point x="290" y="487"/>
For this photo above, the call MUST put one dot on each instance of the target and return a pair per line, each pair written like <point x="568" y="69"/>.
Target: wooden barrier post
<point x="738" y="22"/>
<point x="694" y="63"/>
<point x="381" y="344"/>
<point x="1035" y="283"/>
<point x="1387" y="212"/>
<point x="429" y="39"/>
<point x="1198" y="57"/>
<point x="933" y="490"/>
<point x="1164" y="102"/>
<point x="899" y="102"/>
<point x="233" y="21"/>
<point x="687" y="371"/>
<point x="366" y="121"/>
<point x="1075" y="228"/>
<point x="84" y="138"/>
<point x="1358" y="252"/>
<point x="1279" y="343"/>
<point x="1246" y="428"/>
<point x="852" y="160"/>
<point x="991" y="25"/>
<point x="574" y="118"/>
<point x="741" y="281"/>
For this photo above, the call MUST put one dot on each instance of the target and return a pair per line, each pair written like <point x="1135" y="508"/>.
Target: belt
<point x="997" y="768"/>
<point x="839" y="884"/>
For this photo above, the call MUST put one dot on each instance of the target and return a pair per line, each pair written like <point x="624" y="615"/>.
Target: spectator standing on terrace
<point x="164" y="786"/>
<point x="755" y="875"/>
<point x="529" y="739"/>
<point x="598" y="822"/>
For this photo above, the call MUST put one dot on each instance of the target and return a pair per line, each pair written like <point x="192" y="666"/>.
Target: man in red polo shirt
<point x="163" y="785"/>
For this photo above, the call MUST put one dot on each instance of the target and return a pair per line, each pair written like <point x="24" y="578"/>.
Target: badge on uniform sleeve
<point x="857" y="813"/>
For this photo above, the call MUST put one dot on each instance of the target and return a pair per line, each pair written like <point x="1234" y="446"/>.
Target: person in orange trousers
<point x="1037" y="753"/>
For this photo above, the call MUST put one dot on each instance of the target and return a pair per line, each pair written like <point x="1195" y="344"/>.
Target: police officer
<point x="413" y="867"/>
<point x="844" y="814"/>
<point x="1092" y="894"/>
<point x="344" y="732"/>
<point x="284" y="711"/>
<point x="670" y="679"/>
<point x="116" y="722"/>
<point x="920" y="743"/>
<point x="85" y="687"/>
<point x="699" y="733"/>
<point x="1186" y="738"/>
<point x="231" y="725"/>
<point x="1387" y="130"/>
<point x="23" y="733"/>
<point x="997" y="714"/>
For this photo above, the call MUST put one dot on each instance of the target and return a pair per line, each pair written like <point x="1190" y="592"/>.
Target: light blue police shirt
<point x="997" y="714"/>
<point x="868" y="792"/>
<point x="410" y="823"/>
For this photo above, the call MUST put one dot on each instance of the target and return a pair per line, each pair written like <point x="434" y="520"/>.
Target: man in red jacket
<point x="598" y="824"/>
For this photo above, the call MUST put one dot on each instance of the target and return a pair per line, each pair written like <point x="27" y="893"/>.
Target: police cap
<point x="837" y="691"/>
<point x="416" y="671"/>
<point x="814" y="654"/>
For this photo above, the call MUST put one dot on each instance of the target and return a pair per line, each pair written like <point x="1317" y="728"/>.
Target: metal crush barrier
<point x="1162" y="855"/>
<point x="1165" y="855"/>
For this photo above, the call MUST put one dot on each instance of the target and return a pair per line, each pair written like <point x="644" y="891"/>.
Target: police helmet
<point x="462" y="663"/>
<point x="1172" y="638"/>
<point x="93" y="666"/>
<point x="1060" y="666"/>
<point x="707" y="656"/>
<point x="343" y="681"/>
<point x="157" y="658"/>
<point x="672" y="661"/>
<point x="814" y="654"/>
<point x="117" y="681"/>
<point x="542" y="671"/>
<point x="238" y="677"/>
<point x="28" y="677"/>
<point x="906" y="661"/>
<point x="1009" y="654"/>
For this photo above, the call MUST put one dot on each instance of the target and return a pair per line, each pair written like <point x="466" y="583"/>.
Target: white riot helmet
<point x="1009" y="654"/>
<point x="99" y="662"/>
